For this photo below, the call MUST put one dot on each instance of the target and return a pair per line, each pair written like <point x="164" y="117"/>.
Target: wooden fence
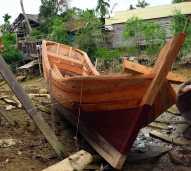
<point x="30" y="49"/>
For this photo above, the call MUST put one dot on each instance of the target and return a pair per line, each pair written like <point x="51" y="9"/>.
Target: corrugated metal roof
<point x="150" y="12"/>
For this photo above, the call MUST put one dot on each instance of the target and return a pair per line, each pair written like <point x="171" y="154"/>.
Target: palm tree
<point x="103" y="9"/>
<point x="6" y="18"/>
<point x="142" y="4"/>
<point x="131" y="7"/>
<point x="177" y="1"/>
<point x="6" y="26"/>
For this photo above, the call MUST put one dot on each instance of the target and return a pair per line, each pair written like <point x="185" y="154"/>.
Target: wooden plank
<point x="66" y="59"/>
<point x="162" y="67"/>
<point x="159" y="125"/>
<point x="165" y="60"/>
<point x="29" y="108"/>
<point x="70" y="52"/>
<point x="136" y="68"/>
<point x="170" y="138"/>
<point x="77" y="161"/>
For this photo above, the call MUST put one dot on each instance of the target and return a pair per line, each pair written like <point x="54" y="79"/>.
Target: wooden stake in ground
<point x="29" y="108"/>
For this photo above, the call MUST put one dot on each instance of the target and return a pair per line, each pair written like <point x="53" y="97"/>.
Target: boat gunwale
<point x="118" y="76"/>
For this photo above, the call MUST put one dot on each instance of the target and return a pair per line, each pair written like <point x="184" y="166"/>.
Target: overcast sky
<point x="12" y="7"/>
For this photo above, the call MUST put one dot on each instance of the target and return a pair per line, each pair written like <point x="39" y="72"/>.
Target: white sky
<point x="12" y="7"/>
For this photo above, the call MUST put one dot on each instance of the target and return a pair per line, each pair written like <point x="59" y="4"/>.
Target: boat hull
<point x="109" y="109"/>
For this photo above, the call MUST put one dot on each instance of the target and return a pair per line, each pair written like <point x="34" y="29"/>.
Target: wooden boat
<point x="109" y="109"/>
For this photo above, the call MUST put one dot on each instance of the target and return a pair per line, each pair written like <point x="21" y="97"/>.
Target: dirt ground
<point x="31" y="152"/>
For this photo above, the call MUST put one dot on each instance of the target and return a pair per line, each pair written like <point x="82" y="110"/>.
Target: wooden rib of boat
<point x="111" y="109"/>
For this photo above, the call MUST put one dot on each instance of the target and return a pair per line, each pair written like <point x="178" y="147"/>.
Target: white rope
<point x="79" y="114"/>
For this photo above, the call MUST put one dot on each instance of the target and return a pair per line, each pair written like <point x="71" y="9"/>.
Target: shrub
<point x="107" y="53"/>
<point x="8" y="39"/>
<point x="151" y="32"/>
<point x="10" y="53"/>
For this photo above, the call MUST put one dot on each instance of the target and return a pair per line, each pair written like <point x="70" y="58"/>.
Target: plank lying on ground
<point x="159" y="125"/>
<point x="141" y="69"/>
<point x="77" y="161"/>
<point x="29" y="108"/>
<point x="19" y="78"/>
<point x="7" y="118"/>
<point x="170" y="138"/>
<point x="2" y="83"/>
<point x="39" y="95"/>
<point x="170" y="121"/>
<point x="10" y="101"/>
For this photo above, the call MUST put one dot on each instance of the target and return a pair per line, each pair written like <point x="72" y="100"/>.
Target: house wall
<point x="116" y="38"/>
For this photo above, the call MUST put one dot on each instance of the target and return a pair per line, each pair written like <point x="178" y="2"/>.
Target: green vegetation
<point x="103" y="9"/>
<point x="84" y="29"/>
<point x="10" y="53"/>
<point x="177" y="1"/>
<point x="142" y="4"/>
<point x="6" y="26"/>
<point x="180" y="23"/>
<point x="89" y="38"/>
<point x="106" y="53"/>
<point x="58" y="32"/>
<point x="137" y="30"/>
<point x="149" y="32"/>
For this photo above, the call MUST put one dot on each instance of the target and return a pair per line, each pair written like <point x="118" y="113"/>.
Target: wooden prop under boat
<point x="110" y="109"/>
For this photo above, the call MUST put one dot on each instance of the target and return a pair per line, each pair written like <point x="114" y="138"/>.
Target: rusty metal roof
<point x="150" y="12"/>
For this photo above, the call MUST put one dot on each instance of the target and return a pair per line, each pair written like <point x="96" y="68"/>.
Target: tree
<point x="26" y="18"/>
<point x="9" y="51"/>
<point x="6" y="18"/>
<point x="89" y="38"/>
<point x="103" y="9"/>
<point x="142" y="4"/>
<point x="177" y="1"/>
<point x="59" y="33"/>
<point x="48" y="8"/>
<point x="131" y="7"/>
<point x="6" y="25"/>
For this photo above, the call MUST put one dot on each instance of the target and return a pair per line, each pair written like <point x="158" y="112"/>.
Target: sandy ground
<point x="32" y="153"/>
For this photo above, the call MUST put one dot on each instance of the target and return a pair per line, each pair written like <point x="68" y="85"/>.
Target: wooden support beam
<point x="136" y="68"/>
<point x="29" y="108"/>
<point x="162" y="68"/>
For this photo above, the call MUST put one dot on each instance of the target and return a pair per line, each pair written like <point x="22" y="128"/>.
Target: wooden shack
<point x="19" y="25"/>
<point x="160" y="14"/>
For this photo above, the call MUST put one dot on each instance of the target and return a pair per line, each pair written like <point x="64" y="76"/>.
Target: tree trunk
<point x="26" y="18"/>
